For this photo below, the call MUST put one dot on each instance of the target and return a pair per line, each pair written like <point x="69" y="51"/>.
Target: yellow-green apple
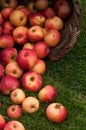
<point x="6" y="41"/>
<point x="28" y="45"/>
<point x="25" y="10"/>
<point x="37" y="19"/>
<point x="8" y="83"/>
<point x="8" y="3"/>
<point x="6" y="12"/>
<point x="49" y="12"/>
<point x="7" y="27"/>
<point x="18" y="18"/>
<point x="56" y="112"/>
<point x="52" y="38"/>
<point x="42" y="49"/>
<point x="30" y="104"/>
<point x="2" y="122"/>
<point x="54" y="23"/>
<point x="14" y="111"/>
<point x="17" y="96"/>
<point x="1" y="19"/>
<point x="48" y="93"/>
<point x="1" y="30"/>
<point x="32" y="81"/>
<point x="20" y="35"/>
<point x="35" y="33"/>
<point x="26" y="58"/>
<point x="39" y="67"/>
<point x="14" y="125"/>
<point x="15" y="70"/>
<point x="62" y="9"/>
<point x="41" y="4"/>
<point x="1" y="70"/>
<point x="32" y="7"/>
<point x="8" y="54"/>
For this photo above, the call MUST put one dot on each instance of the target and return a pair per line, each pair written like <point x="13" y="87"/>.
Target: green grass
<point x="69" y="77"/>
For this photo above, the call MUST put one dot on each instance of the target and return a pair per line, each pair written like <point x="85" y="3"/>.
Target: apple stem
<point x="32" y="78"/>
<point x="57" y="106"/>
<point x="15" y="94"/>
<point x="13" y="109"/>
<point x="34" y="8"/>
<point x="32" y="106"/>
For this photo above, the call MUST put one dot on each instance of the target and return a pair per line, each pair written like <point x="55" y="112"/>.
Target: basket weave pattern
<point x="69" y="33"/>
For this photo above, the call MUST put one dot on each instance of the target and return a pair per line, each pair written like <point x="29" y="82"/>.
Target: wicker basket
<point x="69" y="33"/>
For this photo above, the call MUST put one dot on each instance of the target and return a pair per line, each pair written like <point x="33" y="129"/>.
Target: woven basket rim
<point x="70" y="33"/>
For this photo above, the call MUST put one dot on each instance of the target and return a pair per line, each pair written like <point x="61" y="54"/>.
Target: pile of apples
<point x="27" y="33"/>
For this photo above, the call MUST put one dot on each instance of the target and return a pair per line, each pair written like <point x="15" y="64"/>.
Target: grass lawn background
<point x="69" y="77"/>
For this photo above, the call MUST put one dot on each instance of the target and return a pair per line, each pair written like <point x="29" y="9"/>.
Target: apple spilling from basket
<point x="27" y="33"/>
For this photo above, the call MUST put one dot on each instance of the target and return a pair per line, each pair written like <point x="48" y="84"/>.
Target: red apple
<point x="8" y="3"/>
<point x="8" y="83"/>
<point x="17" y="96"/>
<point x="48" y="93"/>
<point x="25" y="10"/>
<point x="28" y="45"/>
<point x="52" y="38"/>
<point x="32" y="81"/>
<point x="14" y="125"/>
<point x="56" y="112"/>
<point x="41" y="4"/>
<point x="49" y="12"/>
<point x="6" y="12"/>
<point x="39" y="67"/>
<point x="2" y="122"/>
<point x="42" y="49"/>
<point x="8" y="27"/>
<point x="7" y="55"/>
<point x="57" y="3"/>
<point x="32" y="7"/>
<point x="35" y="33"/>
<point x="14" y="111"/>
<point x="18" y="18"/>
<point x="54" y="23"/>
<point x="30" y="104"/>
<point x="15" y="70"/>
<point x="62" y="8"/>
<point x="1" y="19"/>
<point x="27" y="58"/>
<point x="37" y="19"/>
<point x="64" y="11"/>
<point x="1" y="70"/>
<point x="20" y="35"/>
<point x="6" y="41"/>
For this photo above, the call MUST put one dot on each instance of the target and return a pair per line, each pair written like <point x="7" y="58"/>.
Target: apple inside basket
<point x="57" y="23"/>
